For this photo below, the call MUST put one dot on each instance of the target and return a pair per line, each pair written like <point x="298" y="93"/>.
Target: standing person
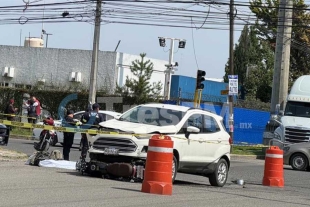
<point x="10" y="113"/>
<point x="84" y="119"/>
<point x="68" y="136"/>
<point x="94" y="124"/>
<point x="10" y="110"/>
<point x="34" y="110"/>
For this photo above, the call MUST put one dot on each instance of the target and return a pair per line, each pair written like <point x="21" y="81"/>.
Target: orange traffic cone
<point x="158" y="168"/>
<point x="273" y="173"/>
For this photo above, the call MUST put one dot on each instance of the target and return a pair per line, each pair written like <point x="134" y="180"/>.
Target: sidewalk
<point x="10" y="155"/>
<point x="247" y="157"/>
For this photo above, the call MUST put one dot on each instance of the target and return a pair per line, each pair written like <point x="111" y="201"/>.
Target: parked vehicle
<point x="295" y="120"/>
<point x="77" y="136"/>
<point x="4" y="132"/>
<point x="201" y="143"/>
<point x="297" y="156"/>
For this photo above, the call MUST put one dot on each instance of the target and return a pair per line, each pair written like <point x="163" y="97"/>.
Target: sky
<point x="206" y="49"/>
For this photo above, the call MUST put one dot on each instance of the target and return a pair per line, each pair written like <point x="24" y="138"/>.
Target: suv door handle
<point x="219" y="140"/>
<point x="200" y="140"/>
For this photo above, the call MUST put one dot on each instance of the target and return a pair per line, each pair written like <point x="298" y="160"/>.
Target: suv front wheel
<point x="219" y="176"/>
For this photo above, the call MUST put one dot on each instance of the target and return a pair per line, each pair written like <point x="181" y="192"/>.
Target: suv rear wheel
<point x="219" y="176"/>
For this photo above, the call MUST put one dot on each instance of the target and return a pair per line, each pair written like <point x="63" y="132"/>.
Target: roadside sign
<point x="233" y="84"/>
<point x="224" y="92"/>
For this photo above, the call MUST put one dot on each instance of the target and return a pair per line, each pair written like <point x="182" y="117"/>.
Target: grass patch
<point x="21" y="132"/>
<point x="247" y="150"/>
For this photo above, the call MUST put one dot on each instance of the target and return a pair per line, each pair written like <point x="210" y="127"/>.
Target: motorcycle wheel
<point x="54" y="140"/>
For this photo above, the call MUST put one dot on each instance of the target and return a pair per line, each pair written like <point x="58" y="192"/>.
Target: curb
<point x="247" y="157"/>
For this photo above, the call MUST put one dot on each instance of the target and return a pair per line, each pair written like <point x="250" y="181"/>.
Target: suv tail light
<point x="230" y="140"/>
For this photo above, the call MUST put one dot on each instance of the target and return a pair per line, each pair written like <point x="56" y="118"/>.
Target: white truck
<point x="295" y="120"/>
<point x="201" y="144"/>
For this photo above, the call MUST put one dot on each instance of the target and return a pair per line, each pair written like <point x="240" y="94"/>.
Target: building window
<point x="19" y="86"/>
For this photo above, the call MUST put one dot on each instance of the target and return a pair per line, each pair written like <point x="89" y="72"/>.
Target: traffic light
<point x="182" y="43"/>
<point x="162" y="42"/>
<point x="200" y="78"/>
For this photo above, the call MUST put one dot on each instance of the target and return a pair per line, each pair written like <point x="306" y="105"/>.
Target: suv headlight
<point x="276" y="136"/>
<point x="142" y="136"/>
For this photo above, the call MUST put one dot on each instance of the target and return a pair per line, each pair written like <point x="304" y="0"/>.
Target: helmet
<point x="49" y="121"/>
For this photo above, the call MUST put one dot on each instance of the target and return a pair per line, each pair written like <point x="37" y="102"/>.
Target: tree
<point x="266" y="12"/>
<point x="139" y="87"/>
<point x="246" y="53"/>
<point x="253" y="63"/>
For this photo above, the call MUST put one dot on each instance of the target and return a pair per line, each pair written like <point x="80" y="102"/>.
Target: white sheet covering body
<point x="63" y="164"/>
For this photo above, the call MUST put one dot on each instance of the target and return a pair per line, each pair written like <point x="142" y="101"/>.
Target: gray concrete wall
<point x="55" y="66"/>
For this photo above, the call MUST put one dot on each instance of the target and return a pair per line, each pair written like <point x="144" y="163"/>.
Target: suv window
<point x="195" y="120"/>
<point x="210" y="124"/>
<point x="78" y="116"/>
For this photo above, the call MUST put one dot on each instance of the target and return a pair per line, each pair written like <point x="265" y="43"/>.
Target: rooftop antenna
<point x="42" y="32"/>
<point x="117" y="45"/>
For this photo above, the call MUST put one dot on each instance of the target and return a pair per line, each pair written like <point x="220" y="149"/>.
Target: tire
<point x="299" y="162"/>
<point x="219" y="177"/>
<point x="174" y="169"/>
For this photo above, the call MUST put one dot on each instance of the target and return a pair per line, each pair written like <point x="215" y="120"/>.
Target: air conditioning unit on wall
<point x="75" y="77"/>
<point x="8" y="72"/>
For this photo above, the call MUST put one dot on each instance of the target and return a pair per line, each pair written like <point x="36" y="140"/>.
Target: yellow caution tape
<point x="94" y="131"/>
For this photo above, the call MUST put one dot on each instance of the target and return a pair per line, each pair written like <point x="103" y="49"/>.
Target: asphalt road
<point x="26" y="146"/>
<point x="24" y="185"/>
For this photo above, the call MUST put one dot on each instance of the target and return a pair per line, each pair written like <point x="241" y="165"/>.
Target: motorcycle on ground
<point x="47" y="138"/>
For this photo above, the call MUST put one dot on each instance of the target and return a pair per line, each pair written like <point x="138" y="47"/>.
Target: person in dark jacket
<point x="93" y="125"/>
<point x="10" y="112"/>
<point x="68" y="136"/>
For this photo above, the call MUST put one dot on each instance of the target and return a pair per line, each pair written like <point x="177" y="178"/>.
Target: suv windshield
<point x="152" y="116"/>
<point x="300" y="109"/>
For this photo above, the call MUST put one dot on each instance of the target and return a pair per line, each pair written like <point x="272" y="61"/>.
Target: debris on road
<point x="10" y="155"/>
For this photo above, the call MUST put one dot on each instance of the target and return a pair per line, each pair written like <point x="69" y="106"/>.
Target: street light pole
<point x="94" y="64"/>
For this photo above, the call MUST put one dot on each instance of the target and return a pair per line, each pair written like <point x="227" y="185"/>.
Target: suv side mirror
<point x="191" y="129"/>
<point x="117" y="116"/>
<point x="281" y="113"/>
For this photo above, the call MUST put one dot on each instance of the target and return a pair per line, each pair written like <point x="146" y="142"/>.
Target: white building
<point x="24" y="67"/>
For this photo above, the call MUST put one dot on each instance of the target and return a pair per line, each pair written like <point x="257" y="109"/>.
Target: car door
<point x="193" y="147"/>
<point x="212" y="133"/>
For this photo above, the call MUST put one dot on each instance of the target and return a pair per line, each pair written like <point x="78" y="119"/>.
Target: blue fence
<point x="249" y="125"/>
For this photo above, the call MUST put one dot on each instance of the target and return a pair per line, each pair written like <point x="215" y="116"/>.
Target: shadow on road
<point x="128" y="189"/>
<point x="182" y="182"/>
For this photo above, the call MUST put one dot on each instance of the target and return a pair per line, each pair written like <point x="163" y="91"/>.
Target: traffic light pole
<point x="170" y="67"/>
<point x="168" y="72"/>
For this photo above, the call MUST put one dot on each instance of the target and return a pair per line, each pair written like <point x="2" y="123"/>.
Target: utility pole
<point x="170" y="68"/>
<point x="94" y="63"/>
<point x="231" y="67"/>
<point x="282" y="55"/>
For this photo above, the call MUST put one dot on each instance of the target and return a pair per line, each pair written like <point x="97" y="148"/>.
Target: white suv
<point x="201" y="143"/>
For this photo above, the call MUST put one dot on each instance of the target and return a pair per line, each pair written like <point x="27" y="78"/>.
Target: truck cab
<point x="295" y="119"/>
